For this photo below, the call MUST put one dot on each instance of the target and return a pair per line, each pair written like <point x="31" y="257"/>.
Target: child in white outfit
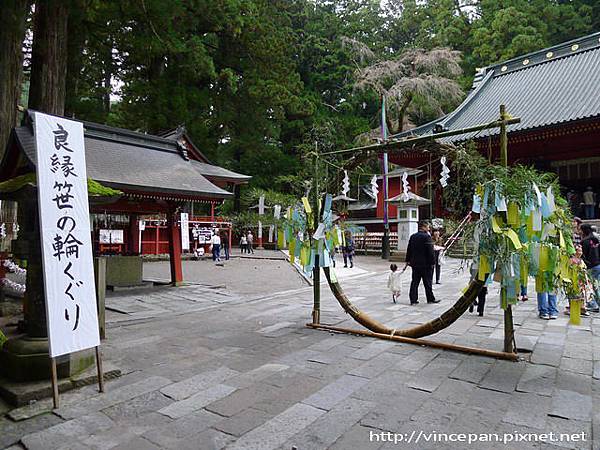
<point x="394" y="283"/>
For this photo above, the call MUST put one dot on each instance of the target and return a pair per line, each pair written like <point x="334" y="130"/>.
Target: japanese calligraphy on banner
<point x="185" y="231"/>
<point x="65" y="232"/>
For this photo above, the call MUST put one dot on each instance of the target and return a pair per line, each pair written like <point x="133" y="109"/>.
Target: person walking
<point x="590" y="246"/>
<point x="216" y="246"/>
<point x="589" y="203"/>
<point x="348" y="250"/>
<point x="250" y="239"/>
<point x="243" y="243"/>
<point x="394" y="283"/>
<point x="438" y="246"/>
<point x="421" y="258"/>
<point x="225" y="245"/>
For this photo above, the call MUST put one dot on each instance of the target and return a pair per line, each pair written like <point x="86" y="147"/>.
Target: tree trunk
<point x="47" y="91"/>
<point x="77" y="34"/>
<point x="108" y="73"/>
<point x="13" y="17"/>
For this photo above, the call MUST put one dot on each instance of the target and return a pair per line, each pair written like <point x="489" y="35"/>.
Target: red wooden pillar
<point x="212" y="212"/>
<point x="134" y="235"/>
<point x="174" y="249"/>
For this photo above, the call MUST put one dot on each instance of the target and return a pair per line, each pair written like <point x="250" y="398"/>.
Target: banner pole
<point x="54" y="382"/>
<point x="100" y="371"/>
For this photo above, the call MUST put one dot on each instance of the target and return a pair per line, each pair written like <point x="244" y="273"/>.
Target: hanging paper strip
<point x="445" y="174"/>
<point x="484" y="267"/>
<point x="327" y="207"/>
<point x="544" y="258"/>
<point x="512" y="216"/>
<point x="306" y="204"/>
<point x="292" y="251"/>
<point x="495" y="225"/>
<point x="514" y="238"/>
<point x="499" y="200"/>
<point x="332" y="275"/>
<point x="320" y="232"/>
<point x="374" y="188"/>
<point x="304" y="255"/>
<point x="405" y="187"/>
<point x="476" y="204"/>
<point x="345" y="183"/>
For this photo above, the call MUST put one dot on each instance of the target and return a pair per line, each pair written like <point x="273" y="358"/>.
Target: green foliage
<point x="95" y="189"/>
<point x="255" y="81"/>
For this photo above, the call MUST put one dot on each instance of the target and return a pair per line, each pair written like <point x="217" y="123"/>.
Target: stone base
<point x="24" y="393"/>
<point x="27" y="359"/>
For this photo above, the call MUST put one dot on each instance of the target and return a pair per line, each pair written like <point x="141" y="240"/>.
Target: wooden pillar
<point x="212" y="212"/>
<point x="174" y="249"/>
<point x="134" y="234"/>
<point x="157" y="238"/>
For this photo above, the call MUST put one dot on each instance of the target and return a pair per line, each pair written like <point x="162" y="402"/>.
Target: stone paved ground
<point x="219" y="368"/>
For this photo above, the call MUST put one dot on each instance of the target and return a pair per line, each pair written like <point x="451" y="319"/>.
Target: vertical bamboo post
<point x="316" y="314"/>
<point x="509" y="330"/>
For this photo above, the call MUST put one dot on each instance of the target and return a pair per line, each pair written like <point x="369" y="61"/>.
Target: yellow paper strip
<point x="306" y="204"/>
<point x="512" y="216"/>
<point x="484" y="267"/>
<point x="292" y="250"/>
<point x="514" y="238"/>
<point x="561" y="240"/>
<point x="544" y="258"/>
<point x="495" y="225"/>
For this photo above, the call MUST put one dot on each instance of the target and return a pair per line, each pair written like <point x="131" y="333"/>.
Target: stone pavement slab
<point x="197" y="401"/>
<point x="571" y="405"/>
<point x="63" y="433"/>
<point x="172" y="433"/>
<point x="331" y="426"/>
<point x="200" y="382"/>
<point x="335" y="392"/>
<point x="280" y="428"/>
<point x="215" y="368"/>
<point x="110" y="398"/>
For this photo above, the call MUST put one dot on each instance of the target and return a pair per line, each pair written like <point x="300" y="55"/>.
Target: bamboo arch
<point x="412" y="335"/>
<point x="446" y="319"/>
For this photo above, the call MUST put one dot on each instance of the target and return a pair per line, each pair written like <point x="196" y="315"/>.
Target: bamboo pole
<point x="316" y="313"/>
<point x="398" y="144"/>
<point x="407" y="340"/>
<point x="509" y="329"/>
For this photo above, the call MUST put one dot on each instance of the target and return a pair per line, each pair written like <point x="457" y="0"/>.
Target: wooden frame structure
<point x="447" y="318"/>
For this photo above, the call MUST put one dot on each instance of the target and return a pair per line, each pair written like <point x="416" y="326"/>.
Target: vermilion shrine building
<point x="556" y="94"/>
<point x="158" y="176"/>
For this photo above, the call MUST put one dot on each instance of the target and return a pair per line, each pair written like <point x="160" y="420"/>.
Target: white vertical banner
<point x="65" y="232"/>
<point x="271" y="232"/>
<point x="261" y="205"/>
<point x="259" y="234"/>
<point x="277" y="211"/>
<point x="185" y="231"/>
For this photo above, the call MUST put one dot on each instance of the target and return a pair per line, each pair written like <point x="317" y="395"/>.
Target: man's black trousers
<point x="418" y="274"/>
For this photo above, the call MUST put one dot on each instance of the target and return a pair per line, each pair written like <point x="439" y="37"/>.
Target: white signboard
<point x="185" y="231"/>
<point x="65" y="231"/>
<point x="111" y="237"/>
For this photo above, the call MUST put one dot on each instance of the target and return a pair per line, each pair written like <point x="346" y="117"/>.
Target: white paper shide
<point x="65" y="231"/>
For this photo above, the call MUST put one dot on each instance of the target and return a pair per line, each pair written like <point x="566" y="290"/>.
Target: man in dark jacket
<point x="590" y="245"/>
<point x="421" y="258"/>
